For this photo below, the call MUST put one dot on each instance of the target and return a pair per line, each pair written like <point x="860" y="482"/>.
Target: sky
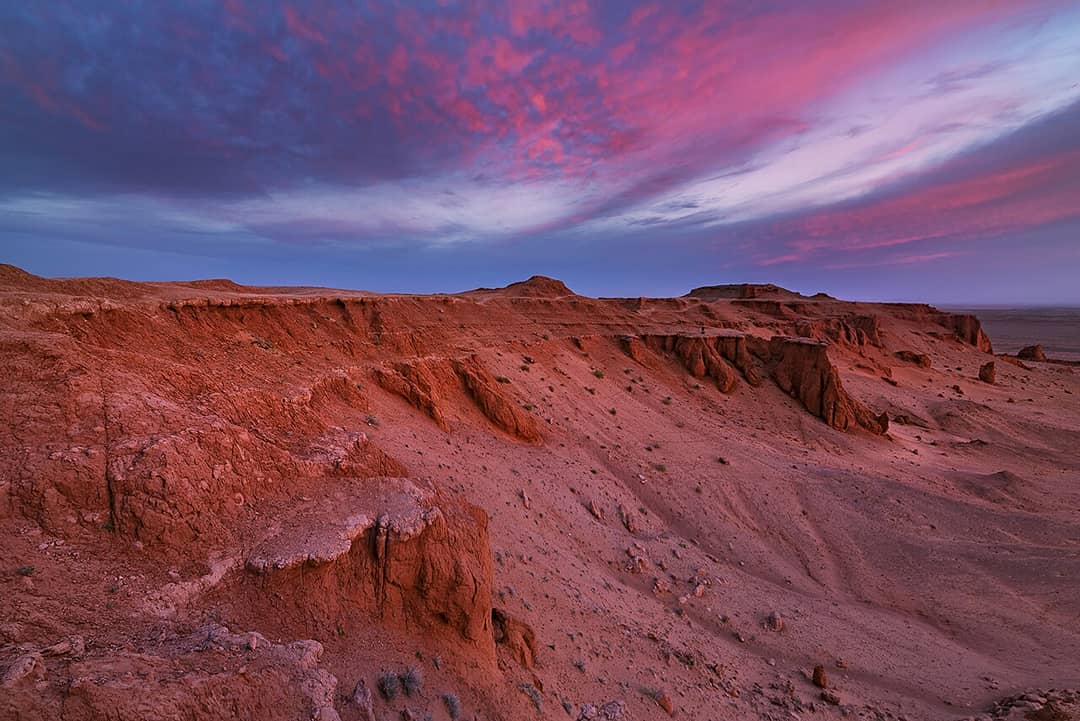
<point x="909" y="150"/>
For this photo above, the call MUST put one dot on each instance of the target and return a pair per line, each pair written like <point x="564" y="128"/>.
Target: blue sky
<point x="877" y="150"/>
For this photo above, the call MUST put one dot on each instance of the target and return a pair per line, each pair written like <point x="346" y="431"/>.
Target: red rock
<point x="803" y="370"/>
<point x="920" y="359"/>
<point x="1032" y="352"/>
<point x="986" y="372"/>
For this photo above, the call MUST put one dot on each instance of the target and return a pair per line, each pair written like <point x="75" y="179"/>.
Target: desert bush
<point x="453" y="705"/>
<point x="389" y="685"/>
<point x="412" y="680"/>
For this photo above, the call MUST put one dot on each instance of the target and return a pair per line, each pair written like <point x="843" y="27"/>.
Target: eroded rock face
<point x="708" y="356"/>
<point x="803" y="370"/>
<point x="416" y="383"/>
<point x="395" y="553"/>
<point x="968" y="329"/>
<point x="517" y="636"/>
<point x="854" y="330"/>
<point x="495" y="404"/>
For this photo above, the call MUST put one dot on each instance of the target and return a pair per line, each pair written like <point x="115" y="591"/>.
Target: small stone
<point x="663" y="700"/>
<point x="819" y="678"/>
<point x="830" y="697"/>
<point x="774" y="622"/>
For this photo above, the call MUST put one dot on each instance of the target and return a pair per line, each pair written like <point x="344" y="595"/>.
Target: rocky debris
<point x="516" y="635"/>
<point x="494" y="404"/>
<point x="74" y="647"/>
<point x="819" y="678"/>
<point x="803" y="370"/>
<point x="526" y="502"/>
<point x="1032" y="353"/>
<point x="629" y="519"/>
<point x="638" y="563"/>
<point x="363" y="701"/>
<point x="244" y="680"/>
<point x="830" y="697"/>
<point x="415" y="382"/>
<point x="968" y="329"/>
<point x="909" y="356"/>
<point x="595" y="510"/>
<point x="1015" y="362"/>
<point x="1039" y="705"/>
<point x="987" y="373"/>
<point x="774" y="622"/>
<point x="610" y="711"/>
<point x="26" y="671"/>
<point x="663" y="700"/>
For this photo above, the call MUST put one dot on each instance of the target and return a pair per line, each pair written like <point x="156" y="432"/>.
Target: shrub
<point x="598" y="373"/>
<point x="412" y="681"/>
<point x="453" y="705"/>
<point x="534" y="695"/>
<point x="389" y="685"/>
<point x="25" y="570"/>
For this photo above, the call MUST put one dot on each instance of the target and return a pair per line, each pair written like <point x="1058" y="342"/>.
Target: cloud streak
<point x="792" y="132"/>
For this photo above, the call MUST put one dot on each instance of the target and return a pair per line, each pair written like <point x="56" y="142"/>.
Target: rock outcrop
<point x="707" y="356"/>
<point x="1032" y="353"/>
<point x="416" y="383"/>
<point x="516" y="635"/>
<point x="987" y="373"/>
<point x="384" y="549"/>
<point x="495" y="404"/>
<point x="742" y="291"/>
<point x="909" y="356"/>
<point x="968" y="329"/>
<point x="852" y="330"/>
<point x="803" y="370"/>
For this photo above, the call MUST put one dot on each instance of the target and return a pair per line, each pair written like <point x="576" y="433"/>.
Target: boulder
<point x="987" y="373"/>
<point x="909" y="356"/>
<point x="1032" y="353"/>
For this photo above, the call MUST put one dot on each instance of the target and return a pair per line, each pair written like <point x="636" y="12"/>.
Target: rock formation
<point x="803" y="370"/>
<point x="908" y="356"/>
<point x="495" y="404"/>
<point x="968" y="329"/>
<point x="1032" y="353"/>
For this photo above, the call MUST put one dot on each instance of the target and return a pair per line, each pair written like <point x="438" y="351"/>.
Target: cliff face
<point x="802" y="369"/>
<point x="265" y="503"/>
